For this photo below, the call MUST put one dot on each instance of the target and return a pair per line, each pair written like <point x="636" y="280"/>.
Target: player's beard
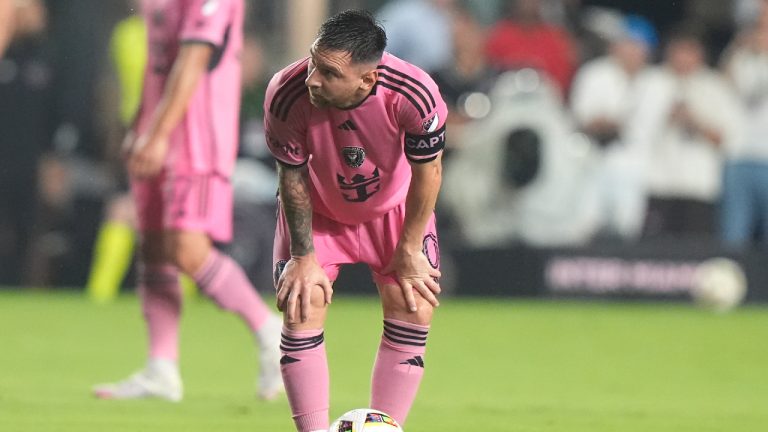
<point x="318" y="101"/>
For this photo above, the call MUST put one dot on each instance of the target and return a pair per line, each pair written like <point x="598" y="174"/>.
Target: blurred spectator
<point x="26" y="127"/>
<point x="597" y="28"/>
<point x="745" y="179"/>
<point x="6" y="24"/>
<point x="526" y="40"/>
<point x="520" y="172"/>
<point x="714" y="19"/>
<point x="467" y="73"/>
<point x="686" y="115"/>
<point x="603" y="96"/>
<point x="255" y="177"/>
<point x="746" y="11"/>
<point x="419" y="31"/>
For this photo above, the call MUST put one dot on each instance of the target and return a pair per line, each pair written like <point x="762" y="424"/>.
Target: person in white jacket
<point x="604" y="93"/>
<point x="686" y="116"/>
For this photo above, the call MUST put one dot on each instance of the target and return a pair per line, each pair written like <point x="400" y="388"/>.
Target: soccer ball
<point x="719" y="284"/>
<point x="365" y="420"/>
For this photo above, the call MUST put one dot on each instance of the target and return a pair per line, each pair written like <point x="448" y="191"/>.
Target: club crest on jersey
<point x="430" y="125"/>
<point x="353" y="156"/>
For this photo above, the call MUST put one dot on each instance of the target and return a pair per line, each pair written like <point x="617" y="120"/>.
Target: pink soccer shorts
<point x="371" y="242"/>
<point x="189" y="202"/>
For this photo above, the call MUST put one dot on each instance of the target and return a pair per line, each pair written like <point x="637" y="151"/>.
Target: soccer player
<point x="358" y="134"/>
<point x="180" y="162"/>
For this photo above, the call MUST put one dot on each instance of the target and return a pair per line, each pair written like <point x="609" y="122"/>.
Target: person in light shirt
<point x="745" y="178"/>
<point x="603" y="96"/>
<point x="687" y="114"/>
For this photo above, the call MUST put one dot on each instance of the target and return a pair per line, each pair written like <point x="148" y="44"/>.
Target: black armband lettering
<point x="422" y="146"/>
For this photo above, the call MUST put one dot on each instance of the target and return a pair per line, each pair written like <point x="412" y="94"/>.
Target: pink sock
<point x="305" y="373"/>
<point x="222" y="279"/>
<point x="160" y="295"/>
<point x="399" y="368"/>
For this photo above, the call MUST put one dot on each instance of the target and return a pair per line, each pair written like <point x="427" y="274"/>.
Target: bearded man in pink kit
<point x="358" y="134"/>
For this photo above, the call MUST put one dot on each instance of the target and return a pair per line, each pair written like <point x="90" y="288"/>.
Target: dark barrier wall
<point x="665" y="270"/>
<point x="654" y="270"/>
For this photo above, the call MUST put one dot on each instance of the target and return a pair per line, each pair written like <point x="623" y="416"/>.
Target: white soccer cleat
<point x="270" y="383"/>
<point x="160" y="380"/>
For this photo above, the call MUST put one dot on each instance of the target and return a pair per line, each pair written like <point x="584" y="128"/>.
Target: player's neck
<point x="362" y="97"/>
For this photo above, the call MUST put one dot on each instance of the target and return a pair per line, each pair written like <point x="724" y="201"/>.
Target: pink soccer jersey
<point x="358" y="158"/>
<point x="206" y="140"/>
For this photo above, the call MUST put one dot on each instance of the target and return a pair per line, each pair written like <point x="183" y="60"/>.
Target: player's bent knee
<point x="317" y="298"/>
<point x="395" y="306"/>
<point x="422" y="316"/>
<point x="317" y="312"/>
<point x="188" y="251"/>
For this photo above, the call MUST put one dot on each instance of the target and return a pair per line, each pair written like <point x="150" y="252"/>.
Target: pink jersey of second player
<point x="358" y="158"/>
<point x="206" y="139"/>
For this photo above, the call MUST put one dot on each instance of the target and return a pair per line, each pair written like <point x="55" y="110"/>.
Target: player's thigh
<point x="332" y="242"/>
<point x="379" y="239"/>
<point x="188" y="250"/>
<point x="394" y="306"/>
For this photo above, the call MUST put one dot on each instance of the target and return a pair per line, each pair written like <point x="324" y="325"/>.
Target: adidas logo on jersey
<point x="348" y="126"/>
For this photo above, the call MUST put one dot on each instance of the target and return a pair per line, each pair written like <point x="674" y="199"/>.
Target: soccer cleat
<point x="160" y="379"/>
<point x="270" y="383"/>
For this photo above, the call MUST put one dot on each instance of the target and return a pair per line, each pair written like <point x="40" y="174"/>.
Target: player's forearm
<point x="6" y="24"/>
<point x="297" y="206"/>
<point x="420" y="203"/>
<point x="190" y="65"/>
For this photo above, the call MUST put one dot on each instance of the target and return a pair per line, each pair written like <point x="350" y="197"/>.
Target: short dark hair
<point x="356" y="32"/>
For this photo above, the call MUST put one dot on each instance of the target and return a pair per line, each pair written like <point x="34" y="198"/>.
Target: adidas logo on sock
<point x="416" y="361"/>
<point x="348" y="126"/>
<point x="284" y="360"/>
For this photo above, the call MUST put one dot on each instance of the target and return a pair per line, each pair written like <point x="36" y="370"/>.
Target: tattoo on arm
<point x="297" y="205"/>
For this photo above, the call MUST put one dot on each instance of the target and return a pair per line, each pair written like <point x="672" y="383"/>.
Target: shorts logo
<point x="430" y="125"/>
<point x="279" y="267"/>
<point x="353" y="156"/>
<point x="431" y="250"/>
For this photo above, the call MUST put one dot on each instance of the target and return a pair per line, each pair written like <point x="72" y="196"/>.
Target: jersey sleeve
<point x="423" y="116"/>
<point x="284" y="125"/>
<point x="208" y="21"/>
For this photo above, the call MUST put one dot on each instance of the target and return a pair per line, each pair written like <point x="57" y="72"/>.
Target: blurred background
<point x="596" y="148"/>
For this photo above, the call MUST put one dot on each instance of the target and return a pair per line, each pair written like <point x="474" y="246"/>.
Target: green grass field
<point x="491" y="366"/>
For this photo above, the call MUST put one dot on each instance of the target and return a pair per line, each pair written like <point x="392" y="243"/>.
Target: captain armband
<point x="424" y="148"/>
